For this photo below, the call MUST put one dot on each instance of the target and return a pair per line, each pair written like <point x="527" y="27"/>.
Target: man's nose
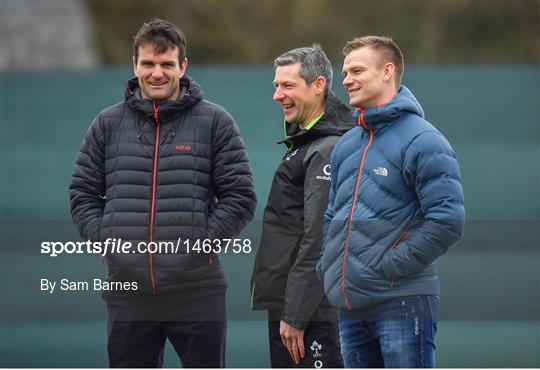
<point x="347" y="81"/>
<point x="157" y="72"/>
<point x="278" y="95"/>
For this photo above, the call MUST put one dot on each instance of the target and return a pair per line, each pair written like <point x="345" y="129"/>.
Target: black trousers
<point x="139" y="344"/>
<point x="136" y="336"/>
<point x="321" y="341"/>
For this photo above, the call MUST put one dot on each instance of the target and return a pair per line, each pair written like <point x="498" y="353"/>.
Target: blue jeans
<point x="399" y="333"/>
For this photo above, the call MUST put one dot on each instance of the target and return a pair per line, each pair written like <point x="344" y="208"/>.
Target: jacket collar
<point x="376" y="118"/>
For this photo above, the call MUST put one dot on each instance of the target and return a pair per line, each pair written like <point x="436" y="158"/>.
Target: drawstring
<point x="139" y="129"/>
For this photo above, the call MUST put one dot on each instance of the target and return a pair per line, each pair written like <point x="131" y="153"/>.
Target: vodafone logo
<point x="326" y="170"/>
<point x="326" y="173"/>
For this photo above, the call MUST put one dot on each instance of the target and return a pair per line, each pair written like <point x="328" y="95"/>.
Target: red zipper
<point x="153" y="209"/>
<point x="358" y="179"/>
<point x="403" y="235"/>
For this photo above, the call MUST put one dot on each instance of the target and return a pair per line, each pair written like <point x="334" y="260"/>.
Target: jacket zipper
<point x="153" y="208"/>
<point x="402" y="236"/>
<point x="351" y="216"/>
<point x="253" y="293"/>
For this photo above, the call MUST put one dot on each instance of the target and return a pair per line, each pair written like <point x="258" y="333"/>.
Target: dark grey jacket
<point x="150" y="172"/>
<point x="284" y="273"/>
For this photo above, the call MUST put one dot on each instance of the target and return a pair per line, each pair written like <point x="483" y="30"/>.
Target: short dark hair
<point x="163" y="35"/>
<point x="385" y="46"/>
<point x="313" y="63"/>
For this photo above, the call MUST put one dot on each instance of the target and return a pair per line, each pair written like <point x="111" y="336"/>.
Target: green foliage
<point x="247" y="32"/>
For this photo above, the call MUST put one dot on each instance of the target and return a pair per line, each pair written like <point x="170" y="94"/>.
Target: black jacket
<point x="150" y="172"/>
<point x="284" y="272"/>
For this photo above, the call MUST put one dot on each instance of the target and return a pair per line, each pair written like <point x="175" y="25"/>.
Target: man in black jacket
<point x="162" y="166"/>
<point x="302" y="325"/>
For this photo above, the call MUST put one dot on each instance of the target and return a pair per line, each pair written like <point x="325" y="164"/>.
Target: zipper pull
<point x="156" y="112"/>
<point x="361" y="120"/>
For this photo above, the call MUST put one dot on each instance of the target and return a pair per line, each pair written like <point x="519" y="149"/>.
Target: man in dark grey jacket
<point x="163" y="165"/>
<point x="302" y="324"/>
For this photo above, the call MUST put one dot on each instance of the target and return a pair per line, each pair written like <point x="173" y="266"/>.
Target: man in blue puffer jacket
<point x="395" y="205"/>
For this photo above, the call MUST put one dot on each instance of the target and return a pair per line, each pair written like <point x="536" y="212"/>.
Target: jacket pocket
<point x="403" y="235"/>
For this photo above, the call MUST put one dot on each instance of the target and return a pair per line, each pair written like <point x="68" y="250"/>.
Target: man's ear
<point x="183" y="67"/>
<point x="135" y="67"/>
<point x="389" y="70"/>
<point x="320" y="85"/>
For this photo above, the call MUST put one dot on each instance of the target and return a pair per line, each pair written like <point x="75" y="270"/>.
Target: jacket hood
<point x="190" y="93"/>
<point x="403" y="102"/>
<point x="336" y="120"/>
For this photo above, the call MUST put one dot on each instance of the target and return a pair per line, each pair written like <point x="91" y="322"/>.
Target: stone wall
<point x="46" y="34"/>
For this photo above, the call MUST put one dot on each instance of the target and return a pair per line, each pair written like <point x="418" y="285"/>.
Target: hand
<point x="293" y="339"/>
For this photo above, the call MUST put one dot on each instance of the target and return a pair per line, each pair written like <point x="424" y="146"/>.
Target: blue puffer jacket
<point x="395" y="205"/>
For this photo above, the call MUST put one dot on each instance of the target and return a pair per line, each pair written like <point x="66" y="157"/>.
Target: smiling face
<point x="368" y="80"/>
<point x="301" y="102"/>
<point x="159" y="74"/>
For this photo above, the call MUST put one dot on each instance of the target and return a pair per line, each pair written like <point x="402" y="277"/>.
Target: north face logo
<point x="184" y="148"/>
<point x="381" y="171"/>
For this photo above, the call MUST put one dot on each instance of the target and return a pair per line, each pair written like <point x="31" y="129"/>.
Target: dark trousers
<point x="321" y="341"/>
<point x="194" y="323"/>
<point x="141" y="343"/>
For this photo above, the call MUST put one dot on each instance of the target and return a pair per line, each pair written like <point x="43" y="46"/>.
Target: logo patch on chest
<point x="184" y="148"/>
<point x="288" y="158"/>
<point x="381" y="171"/>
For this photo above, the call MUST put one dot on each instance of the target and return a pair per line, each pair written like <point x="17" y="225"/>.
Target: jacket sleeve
<point x="431" y="167"/>
<point x="329" y="212"/>
<point x="304" y="291"/>
<point x="87" y="188"/>
<point x="233" y="182"/>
